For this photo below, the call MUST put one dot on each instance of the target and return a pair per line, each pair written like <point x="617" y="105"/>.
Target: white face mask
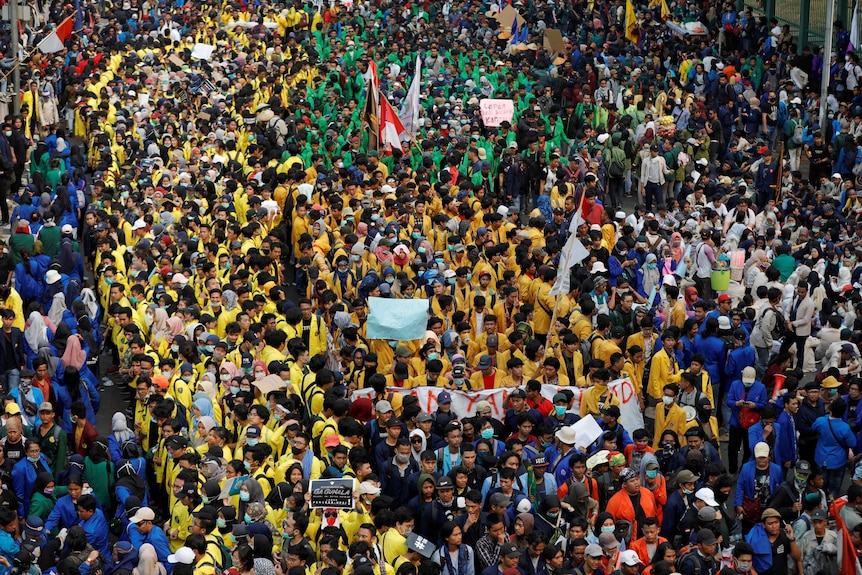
<point x="225" y="377"/>
<point x="667" y="400"/>
<point x="149" y="319"/>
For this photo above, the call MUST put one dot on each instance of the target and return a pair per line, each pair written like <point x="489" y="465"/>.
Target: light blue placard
<point x="398" y="319"/>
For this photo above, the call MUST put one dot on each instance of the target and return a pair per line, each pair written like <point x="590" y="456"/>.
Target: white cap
<point x="367" y="488"/>
<point x="748" y="375"/>
<point x="620" y="215"/>
<point x="139" y="224"/>
<point x="52" y="277"/>
<point x="797" y="100"/>
<point x="503" y="211"/>
<point x="761" y="449"/>
<point x="183" y="555"/>
<point x="706" y="495"/>
<point x="836" y="175"/>
<point x="180" y="279"/>
<point x="66" y="229"/>
<point x="598" y="268"/>
<point x="603" y="138"/>
<point x="630" y="558"/>
<point x="702" y="162"/>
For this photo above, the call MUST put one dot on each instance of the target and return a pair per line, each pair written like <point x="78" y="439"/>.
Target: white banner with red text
<point x="464" y="402"/>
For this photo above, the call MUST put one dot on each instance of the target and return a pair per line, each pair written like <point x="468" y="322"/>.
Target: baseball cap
<point x="608" y="540"/>
<point x="445" y="483"/>
<point x="723" y="298"/>
<point x="444" y="398"/>
<point x="706" y="495"/>
<point x="770" y="512"/>
<point x="509" y="550"/>
<point x="686" y="476"/>
<point x="707" y="514"/>
<point x="499" y="500"/>
<point x="611" y="410"/>
<point x="803" y="467"/>
<point x="423" y="417"/>
<point x="748" y="375"/>
<point x="816" y="515"/>
<point x="706" y="536"/>
<point x="383" y="406"/>
<point x="627" y="474"/>
<point x="629" y="557"/>
<point x="12" y="409"/>
<point x="46" y="406"/>
<point x="183" y="555"/>
<point x="761" y="449"/>
<point x="420" y="545"/>
<point x="594" y="550"/>
<point x="143" y="514"/>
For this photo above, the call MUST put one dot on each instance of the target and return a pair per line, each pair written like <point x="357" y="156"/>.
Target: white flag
<point x="574" y="253"/>
<point x="409" y="113"/>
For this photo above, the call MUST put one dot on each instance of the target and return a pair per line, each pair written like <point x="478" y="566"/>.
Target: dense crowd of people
<point x="665" y="208"/>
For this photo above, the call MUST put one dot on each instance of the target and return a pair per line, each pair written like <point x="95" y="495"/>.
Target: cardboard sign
<point x="176" y="60"/>
<point x="507" y="16"/>
<point x="202" y="51"/>
<point x="495" y="112"/>
<point x="331" y="493"/>
<point x="553" y="41"/>
<point x="269" y="383"/>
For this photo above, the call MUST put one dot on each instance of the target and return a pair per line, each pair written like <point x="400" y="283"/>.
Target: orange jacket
<point x="620" y="506"/>
<point x="640" y="547"/>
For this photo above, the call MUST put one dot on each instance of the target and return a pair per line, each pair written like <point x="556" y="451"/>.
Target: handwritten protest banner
<point x="398" y="319"/>
<point x="496" y="111"/>
<point x="464" y="402"/>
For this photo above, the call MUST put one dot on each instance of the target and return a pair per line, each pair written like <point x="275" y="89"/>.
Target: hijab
<point x="130" y="479"/>
<point x="120" y="428"/>
<point x="73" y="355"/>
<point x="35" y="334"/>
<point x="61" y="336"/>
<point x="58" y="307"/>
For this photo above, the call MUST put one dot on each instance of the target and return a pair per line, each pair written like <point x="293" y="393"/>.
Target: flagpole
<point x="16" y="73"/>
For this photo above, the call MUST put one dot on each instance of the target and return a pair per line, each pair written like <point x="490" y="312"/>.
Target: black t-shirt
<point x="780" y="555"/>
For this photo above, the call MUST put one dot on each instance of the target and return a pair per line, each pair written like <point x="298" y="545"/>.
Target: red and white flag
<point x="54" y="42"/>
<point x="391" y="127"/>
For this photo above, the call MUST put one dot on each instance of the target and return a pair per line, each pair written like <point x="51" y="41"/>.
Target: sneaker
<point x="107" y="382"/>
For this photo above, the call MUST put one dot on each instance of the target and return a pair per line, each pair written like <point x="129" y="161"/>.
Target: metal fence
<point x="807" y="18"/>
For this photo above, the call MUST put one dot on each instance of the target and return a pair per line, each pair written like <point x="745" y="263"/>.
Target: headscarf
<point x="61" y="335"/>
<point x="120" y="428"/>
<point x="417" y="453"/>
<point x="175" y="324"/>
<point x="678" y="251"/>
<point x="279" y="495"/>
<point x="66" y="257"/>
<point x="160" y="327"/>
<point x="42" y="481"/>
<point x="130" y="479"/>
<point x="58" y="307"/>
<point x="73" y="355"/>
<point x="651" y="276"/>
<point x="691" y="296"/>
<point x="207" y="391"/>
<point x="148" y="561"/>
<point x="228" y="300"/>
<point x="35" y="332"/>
<point x="190" y="331"/>
<point x="255" y="495"/>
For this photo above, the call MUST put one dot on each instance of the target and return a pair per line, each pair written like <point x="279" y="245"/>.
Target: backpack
<point x="780" y="329"/>
<point x="272" y="132"/>
<point x="587" y="347"/>
<point x="797" y="132"/>
<point x="688" y="556"/>
<point x="616" y="168"/>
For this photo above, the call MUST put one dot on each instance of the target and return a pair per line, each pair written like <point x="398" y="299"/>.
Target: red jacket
<point x="88" y="437"/>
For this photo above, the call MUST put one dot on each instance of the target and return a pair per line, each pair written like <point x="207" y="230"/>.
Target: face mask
<point x="355" y="258"/>
<point x="652" y="474"/>
<point x="175" y="348"/>
<point x="149" y="319"/>
<point x="7" y="133"/>
<point x="433" y="356"/>
<point x="247" y="466"/>
<point x="833" y="392"/>
<point x="667" y="400"/>
<point x="166" y="374"/>
<point x="402" y="459"/>
<point x="32" y="459"/>
<point x="243" y="495"/>
<point x="296" y="451"/>
<point x="609" y="529"/>
<point x="259" y="375"/>
<point x="87" y="491"/>
<point x="221" y="523"/>
<point x="800" y="478"/>
<point x="743" y="566"/>
<point x="109" y="281"/>
<point x="205" y="499"/>
<point x="450" y="281"/>
<point x="487" y="433"/>
<point x="225" y="377"/>
<point x="252" y="442"/>
<point x="687" y="491"/>
<point x="245" y="517"/>
<point x="209" y="348"/>
<point x="560" y="410"/>
<point x="480" y="455"/>
<point x="651" y="266"/>
<point x="48" y="490"/>
<point x="234" y="390"/>
<point x="186" y="378"/>
<point x="416" y="236"/>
